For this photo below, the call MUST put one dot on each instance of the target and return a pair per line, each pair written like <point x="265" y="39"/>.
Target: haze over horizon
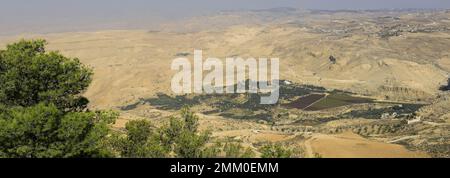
<point x="44" y="16"/>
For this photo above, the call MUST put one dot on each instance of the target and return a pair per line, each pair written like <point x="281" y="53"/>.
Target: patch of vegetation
<point x="236" y="150"/>
<point x="276" y="151"/>
<point x="179" y="138"/>
<point x="247" y="106"/>
<point x="336" y="100"/>
<point x="400" y="111"/>
<point x="237" y="106"/>
<point x="267" y="116"/>
<point x="140" y="141"/>
<point x="306" y="101"/>
<point x="315" y="121"/>
<point x="288" y="92"/>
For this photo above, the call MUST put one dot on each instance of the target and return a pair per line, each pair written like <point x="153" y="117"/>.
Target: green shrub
<point x="275" y="151"/>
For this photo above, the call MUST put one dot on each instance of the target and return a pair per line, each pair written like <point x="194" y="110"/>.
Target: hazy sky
<point x="43" y="15"/>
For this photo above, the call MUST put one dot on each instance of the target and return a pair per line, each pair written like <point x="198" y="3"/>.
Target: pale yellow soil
<point x="350" y="145"/>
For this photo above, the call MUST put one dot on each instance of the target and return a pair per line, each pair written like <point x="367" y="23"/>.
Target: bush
<point x="181" y="136"/>
<point x="275" y="151"/>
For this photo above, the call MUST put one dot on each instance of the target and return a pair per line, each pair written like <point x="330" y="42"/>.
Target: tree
<point x="29" y="75"/>
<point x="42" y="112"/>
<point x="182" y="137"/>
<point x="43" y="131"/>
<point x="275" y="151"/>
<point x="140" y="141"/>
<point x="191" y="144"/>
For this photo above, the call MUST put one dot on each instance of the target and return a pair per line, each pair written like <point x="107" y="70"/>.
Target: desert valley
<point x="359" y="84"/>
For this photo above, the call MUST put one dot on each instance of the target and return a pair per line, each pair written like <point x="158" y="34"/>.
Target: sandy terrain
<point x="348" y="144"/>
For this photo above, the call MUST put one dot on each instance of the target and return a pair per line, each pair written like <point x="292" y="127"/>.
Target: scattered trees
<point x="179" y="138"/>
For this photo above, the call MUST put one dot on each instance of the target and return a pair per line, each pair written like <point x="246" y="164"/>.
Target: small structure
<point x="385" y="116"/>
<point x="416" y="120"/>
<point x="256" y="131"/>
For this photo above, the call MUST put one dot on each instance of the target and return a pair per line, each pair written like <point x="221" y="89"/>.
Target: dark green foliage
<point x="179" y="138"/>
<point x="337" y="100"/>
<point x="41" y="106"/>
<point x="212" y="151"/>
<point x="275" y="151"/>
<point x="247" y="106"/>
<point x="43" y="131"/>
<point x="139" y="131"/>
<point x="190" y="120"/>
<point x="29" y="75"/>
<point x="227" y="150"/>
<point x="140" y="141"/>
<point x="190" y="144"/>
<point x="236" y="150"/>
<point x="182" y="136"/>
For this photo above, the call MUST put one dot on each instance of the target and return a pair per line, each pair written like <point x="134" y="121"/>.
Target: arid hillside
<point x="400" y="57"/>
